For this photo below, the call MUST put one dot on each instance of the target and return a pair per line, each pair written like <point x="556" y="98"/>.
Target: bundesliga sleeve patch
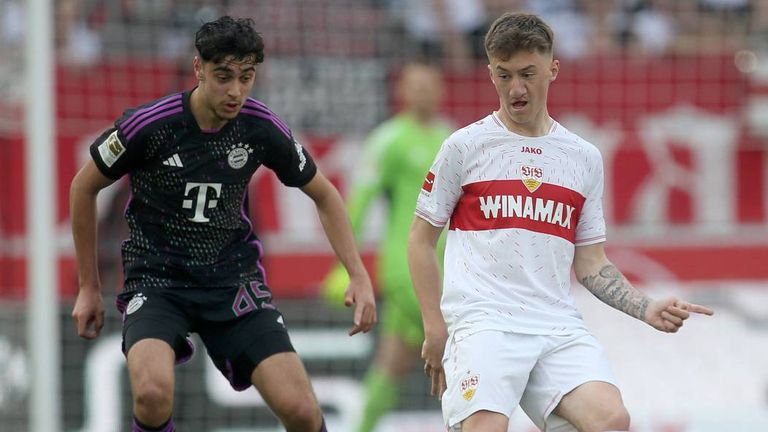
<point x="428" y="182"/>
<point x="111" y="149"/>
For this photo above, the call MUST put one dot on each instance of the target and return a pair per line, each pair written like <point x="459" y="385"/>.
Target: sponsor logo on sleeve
<point x="111" y="149"/>
<point x="302" y="158"/>
<point x="429" y="182"/>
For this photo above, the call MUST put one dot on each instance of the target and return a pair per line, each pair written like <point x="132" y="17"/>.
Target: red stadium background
<point x="685" y="165"/>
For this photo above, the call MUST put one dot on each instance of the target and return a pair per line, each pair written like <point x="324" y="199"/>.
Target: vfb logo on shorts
<point x="469" y="386"/>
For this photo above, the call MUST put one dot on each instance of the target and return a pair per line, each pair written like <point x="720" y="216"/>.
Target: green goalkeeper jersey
<point x="395" y="162"/>
<point x="396" y="159"/>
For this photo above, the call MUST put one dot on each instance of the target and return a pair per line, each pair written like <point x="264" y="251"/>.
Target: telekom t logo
<point x="201" y="202"/>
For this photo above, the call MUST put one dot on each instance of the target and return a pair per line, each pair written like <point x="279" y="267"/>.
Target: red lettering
<point x="532" y="150"/>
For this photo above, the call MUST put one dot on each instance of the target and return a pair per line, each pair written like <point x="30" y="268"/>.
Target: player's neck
<point x="204" y="116"/>
<point x="538" y="127"/>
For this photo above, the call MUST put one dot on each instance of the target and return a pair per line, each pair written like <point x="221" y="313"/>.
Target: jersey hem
<point x="429" y="219"/>
<point x="590" y="241"/>
<point x="460" y="334"/>
<point x="103" y="169"/>
<point x="456" y="419"/>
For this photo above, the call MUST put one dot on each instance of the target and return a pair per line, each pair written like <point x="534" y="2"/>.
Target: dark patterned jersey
<point x="188" y="212"/>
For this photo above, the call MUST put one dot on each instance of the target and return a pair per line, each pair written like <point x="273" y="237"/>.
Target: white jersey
<point x="517" y="207"/>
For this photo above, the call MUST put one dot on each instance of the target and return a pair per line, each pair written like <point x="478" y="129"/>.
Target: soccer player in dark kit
<point x="192" y="262"/>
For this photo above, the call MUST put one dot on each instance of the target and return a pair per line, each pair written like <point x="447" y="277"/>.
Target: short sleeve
<point x="113" y="154"/>
<point x="288" y="158"/>
<point x="442" y="186"/>
<point x="116" y="153"/>
<point x="591" y="225"/>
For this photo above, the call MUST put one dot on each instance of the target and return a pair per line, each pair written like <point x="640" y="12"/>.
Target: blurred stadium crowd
<point x="450" y="30"/>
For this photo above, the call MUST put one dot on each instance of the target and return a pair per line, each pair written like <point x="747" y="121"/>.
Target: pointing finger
<point x="699" y="309"/>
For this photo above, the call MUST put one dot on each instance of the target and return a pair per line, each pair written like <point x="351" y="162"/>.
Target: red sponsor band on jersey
<point x="428" y="182"/>
<point x="502" y="204"/>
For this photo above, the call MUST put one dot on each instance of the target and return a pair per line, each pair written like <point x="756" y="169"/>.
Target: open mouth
<point x="519" y="105"/>
<point x="232" y="106"/>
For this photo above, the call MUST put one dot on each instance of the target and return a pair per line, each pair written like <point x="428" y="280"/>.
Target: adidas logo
<point x="173" y="161"/>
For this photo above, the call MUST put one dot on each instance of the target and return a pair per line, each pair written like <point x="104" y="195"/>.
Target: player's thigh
<point x="238" y="346"/>
<point x="402" y="334"/>
<point x="592" y="403"/>
<point x="487" y="371"/>
<point x="569" y="362"/>
<point x="151" y="368"/>
<point x="153" y="315"/>
<point x="485" y="421"/>
<point x="283" y="382"/>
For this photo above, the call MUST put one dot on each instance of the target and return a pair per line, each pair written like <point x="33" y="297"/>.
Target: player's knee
<point x="614" y="419"/>
<point x="301" y="414"/>
<point x="618" y="420"/>
<point x="152" y="401"/>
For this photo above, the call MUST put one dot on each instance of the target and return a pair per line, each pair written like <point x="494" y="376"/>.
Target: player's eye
<point x="528" y="75"/>
<point x="223" y="78"/>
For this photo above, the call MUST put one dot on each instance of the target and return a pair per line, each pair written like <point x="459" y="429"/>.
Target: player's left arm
<point x="607" y="283"/>
<point x="333" y="216"/>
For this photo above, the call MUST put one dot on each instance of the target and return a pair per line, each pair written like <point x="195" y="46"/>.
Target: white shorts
<point x="497" y="371"/>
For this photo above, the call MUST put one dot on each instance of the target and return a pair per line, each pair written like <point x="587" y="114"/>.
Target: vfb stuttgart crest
<point x="469" y="386"/>
<point x="531" y="177"/>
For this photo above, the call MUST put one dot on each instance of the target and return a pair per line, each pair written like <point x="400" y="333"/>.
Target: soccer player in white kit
<point x="522" y="198"/>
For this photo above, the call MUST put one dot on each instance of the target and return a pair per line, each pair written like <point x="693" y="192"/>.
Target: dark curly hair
<point x="227" y="36"/>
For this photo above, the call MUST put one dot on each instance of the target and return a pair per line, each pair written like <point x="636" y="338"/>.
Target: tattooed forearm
<point x="610" y="286"/>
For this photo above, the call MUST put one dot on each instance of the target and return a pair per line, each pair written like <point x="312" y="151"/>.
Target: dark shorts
<point x="236" y="345"/>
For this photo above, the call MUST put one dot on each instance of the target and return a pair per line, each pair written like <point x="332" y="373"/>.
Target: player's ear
<point x="198" y="67"/>
<point x="554" y="68"/>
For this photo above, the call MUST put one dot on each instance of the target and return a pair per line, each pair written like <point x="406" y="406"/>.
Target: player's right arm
<point x="425" y="273"/>
<point x="89" y="306"/>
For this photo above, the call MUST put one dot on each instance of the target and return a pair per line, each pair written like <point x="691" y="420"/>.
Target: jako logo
<point x="533" y="150"/>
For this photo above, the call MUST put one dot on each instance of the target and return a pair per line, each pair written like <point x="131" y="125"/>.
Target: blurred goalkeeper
<point x="397" y="155"/>
<point x="192" y="261"/>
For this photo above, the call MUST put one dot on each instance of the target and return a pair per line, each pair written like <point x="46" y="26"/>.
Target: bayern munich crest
<point x="136" y="302"/>
<point x="238" y="155"/>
